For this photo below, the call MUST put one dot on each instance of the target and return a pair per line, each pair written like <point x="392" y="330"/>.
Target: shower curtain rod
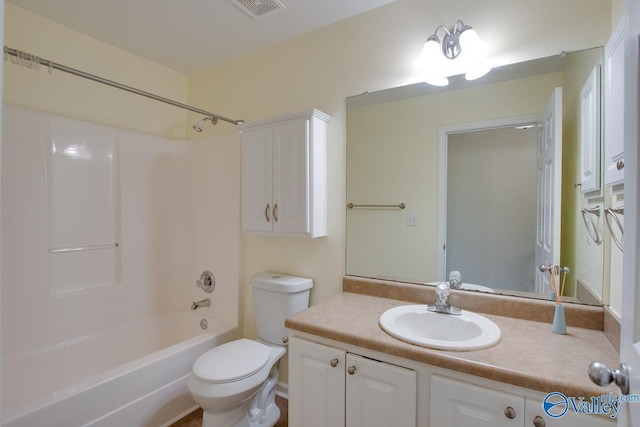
<point x="48" y="63"/>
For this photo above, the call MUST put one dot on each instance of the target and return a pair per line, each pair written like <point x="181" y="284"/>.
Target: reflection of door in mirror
<point x="503" y="188"/>
<point x="491" y="207"/>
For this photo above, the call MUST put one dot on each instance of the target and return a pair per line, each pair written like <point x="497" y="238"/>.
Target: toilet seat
<point x="231" y="362"/>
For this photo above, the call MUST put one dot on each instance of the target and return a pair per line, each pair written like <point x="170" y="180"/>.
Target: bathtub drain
<point x="204" y="324"/>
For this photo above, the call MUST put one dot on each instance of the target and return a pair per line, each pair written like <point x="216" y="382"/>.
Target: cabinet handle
<point x="539" y="422"/>
<point x="620" y="165"/>
<point x="334" y="363"/>
<point x="266" y="212"/>
<point x="510" y="413"/>
<point x="275" y="212"/>
<point x="351" y="370"/>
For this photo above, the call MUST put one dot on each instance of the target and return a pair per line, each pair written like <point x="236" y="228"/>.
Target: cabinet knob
<point x="539" y="422"/>
<point x="266" y="212"/>
<point x="510" y="413"/>
<point x="285" y="339"/>
<point x="351" y="370"/>
<point x="275" y="212"/>
<point x="334" y="363"/>
<point x="620" y="165"/>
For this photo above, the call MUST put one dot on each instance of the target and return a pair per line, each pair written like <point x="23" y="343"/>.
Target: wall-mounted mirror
<point x="442" y="179"/>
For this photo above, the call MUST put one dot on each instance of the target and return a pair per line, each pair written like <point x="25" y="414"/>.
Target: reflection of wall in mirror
<point x="584" y="257"/>
<point x="392" y="156"/>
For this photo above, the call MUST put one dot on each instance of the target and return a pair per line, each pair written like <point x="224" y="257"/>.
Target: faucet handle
<point x="455" y="275"/>
<point x="443" y="290"/>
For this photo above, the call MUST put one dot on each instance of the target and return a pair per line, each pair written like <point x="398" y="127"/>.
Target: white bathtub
<point x="131" y="376"/>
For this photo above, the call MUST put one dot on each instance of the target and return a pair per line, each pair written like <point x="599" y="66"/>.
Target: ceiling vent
<point x="259" y="9"/>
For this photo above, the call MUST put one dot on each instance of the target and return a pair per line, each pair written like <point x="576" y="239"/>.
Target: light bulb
<point x="476" y="73"/>
<point x="437" y="80"/>
<point x="429" y="54"/>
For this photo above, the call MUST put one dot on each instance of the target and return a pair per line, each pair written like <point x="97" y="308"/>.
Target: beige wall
<point x="321" y="68"/>
<point x="71" y="96"/>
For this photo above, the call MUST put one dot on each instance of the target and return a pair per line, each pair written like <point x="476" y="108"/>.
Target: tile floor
<point x="194" y="419"/>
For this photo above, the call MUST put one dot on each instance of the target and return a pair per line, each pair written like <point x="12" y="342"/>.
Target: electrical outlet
<point x="412" y="220"/>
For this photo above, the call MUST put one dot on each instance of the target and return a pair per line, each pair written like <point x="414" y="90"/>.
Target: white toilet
<point x="235" y="383"/>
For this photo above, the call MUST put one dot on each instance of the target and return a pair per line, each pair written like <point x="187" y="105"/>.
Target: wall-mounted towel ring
<point x="613" y="213"/>
<point x="591" y="224"/>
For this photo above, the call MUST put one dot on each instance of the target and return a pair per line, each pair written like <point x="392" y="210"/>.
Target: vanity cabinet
<point x="614" y="108"/>
<point x="460" y="404"/>
<point x="330" y="387"/>
<point x="284" y="175"/>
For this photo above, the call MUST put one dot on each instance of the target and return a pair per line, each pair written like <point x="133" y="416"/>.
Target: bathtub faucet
<point x="202" y="303"/>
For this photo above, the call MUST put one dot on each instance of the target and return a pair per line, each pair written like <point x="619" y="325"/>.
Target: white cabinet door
<point x="458" y="404"/>
<point x="379" y="394"/>
<point x="316" y="386"/>
<point x="257" y="206"/>
<point x="536" y="416"/>
<point x="590" y="133"/>
<point x="614" y="108"/>
<point x="291" y="176"/>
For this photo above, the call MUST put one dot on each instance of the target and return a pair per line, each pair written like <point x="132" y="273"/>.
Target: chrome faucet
<point x="455" y="279"/>
<point x="202" y="303"/>
<point x="442" y="302"/>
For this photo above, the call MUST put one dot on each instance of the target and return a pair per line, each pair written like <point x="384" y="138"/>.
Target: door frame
<point x="443" y="146"/>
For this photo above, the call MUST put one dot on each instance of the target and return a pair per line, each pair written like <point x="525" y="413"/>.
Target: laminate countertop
<point x="529" y="354"/>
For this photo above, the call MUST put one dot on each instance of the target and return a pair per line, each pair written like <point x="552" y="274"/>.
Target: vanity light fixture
<point x="460" y="42"/>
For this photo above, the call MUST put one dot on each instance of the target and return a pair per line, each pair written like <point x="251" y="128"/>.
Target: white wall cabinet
<point x="614" y="108"/>
<point x="284" y="175"/>
<point x="329" y="387"/>
<point x="459" y="404"/>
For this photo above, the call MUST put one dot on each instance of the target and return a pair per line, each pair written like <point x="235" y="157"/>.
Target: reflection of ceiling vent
<point x="258" y="9"/>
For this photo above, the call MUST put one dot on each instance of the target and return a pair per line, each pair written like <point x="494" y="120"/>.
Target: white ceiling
<point x="192" y="35"/>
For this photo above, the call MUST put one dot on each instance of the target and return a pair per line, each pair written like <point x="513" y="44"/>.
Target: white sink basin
<point x="414" y="324"/>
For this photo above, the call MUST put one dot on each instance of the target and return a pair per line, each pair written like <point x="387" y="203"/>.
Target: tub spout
<point x="202" y="303"/>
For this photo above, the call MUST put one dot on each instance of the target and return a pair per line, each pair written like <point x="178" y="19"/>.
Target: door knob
<point x="620" y="165"/>
<point x="601" y="375"/>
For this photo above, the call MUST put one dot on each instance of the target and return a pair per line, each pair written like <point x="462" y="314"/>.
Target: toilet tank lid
<point x="276" y="282"/>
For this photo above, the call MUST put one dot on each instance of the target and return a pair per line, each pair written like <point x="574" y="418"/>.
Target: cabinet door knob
<point x="620" y="165"/>
<point x="334" y="363"/>
<point x="266" y="212"/>
<point x="351" y="370"/>
<point x="510" y="413"/>
<point x="539" y="422"/>
<point x="275" y="212"/>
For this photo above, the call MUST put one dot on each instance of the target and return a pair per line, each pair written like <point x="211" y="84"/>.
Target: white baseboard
<point x="282" y="390"/>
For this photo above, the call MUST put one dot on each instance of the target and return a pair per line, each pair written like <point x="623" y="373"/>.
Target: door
<point x="257" y="207"/>
<point x="379" y="394"/>
<point x="291" y="177"/>
<point x="549" y="166"/>
<point x="316" y="384"/>
<point x="614" y="59"/>
<point x="459" y="404"/>
<point x="630" y="334"/>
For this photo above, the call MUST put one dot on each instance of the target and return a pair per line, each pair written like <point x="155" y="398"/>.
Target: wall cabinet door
<point x="459" y="404"/>
<point x="316" y="385"/>
<point x="284" y="174"/>
<point x="257" y="185"/>
<point x="614" y="108"/>
<point x="379" y="394"/>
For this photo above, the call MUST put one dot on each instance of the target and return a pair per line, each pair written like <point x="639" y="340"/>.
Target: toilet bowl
<point x="235" y="383"/>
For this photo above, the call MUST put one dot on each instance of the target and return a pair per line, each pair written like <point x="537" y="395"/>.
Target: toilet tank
<point x="275" y="297"/>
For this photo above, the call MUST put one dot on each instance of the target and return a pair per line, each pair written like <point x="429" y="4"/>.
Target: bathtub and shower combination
<point x="97" y="328"/>
<point x="135" y="375"/>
